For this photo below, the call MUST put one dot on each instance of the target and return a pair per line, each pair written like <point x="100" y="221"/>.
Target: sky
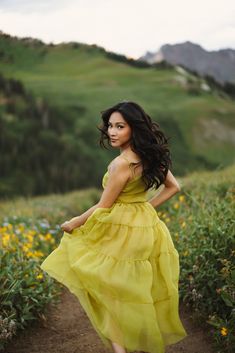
<point x="128" y="27"/>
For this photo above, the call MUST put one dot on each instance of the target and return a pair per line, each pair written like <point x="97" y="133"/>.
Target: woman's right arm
<point x="79" y="220"/>
<point x="118" y="177"/>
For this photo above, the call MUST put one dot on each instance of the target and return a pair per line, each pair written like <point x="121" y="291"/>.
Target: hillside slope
<point x="80" y="80"/>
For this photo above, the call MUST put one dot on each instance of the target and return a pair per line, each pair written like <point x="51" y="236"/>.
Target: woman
<point x="118" y="257"/>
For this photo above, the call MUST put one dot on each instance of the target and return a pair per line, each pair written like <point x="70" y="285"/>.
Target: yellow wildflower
<point x="5" y="239"/>
<point x="176" y="205"/>
<point x="224" y="331"/>
<point x="181" y="198"/>
<point x="25" y="248"/>
<point x="48" y="236"/>
<point x="183" y="224"/>
<point x="38" y="253"/>
<point x="14" y="237"/>
<point x="21" y="227"/>
<point x="29" y="245"/>
<point x="30" y="237"/>
<point x="39" y="276"/>
<point x="167" y="219"/>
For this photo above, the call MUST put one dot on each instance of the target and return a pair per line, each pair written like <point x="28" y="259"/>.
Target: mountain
<point x="51" y="97"/>
<point x="218" y="64"/>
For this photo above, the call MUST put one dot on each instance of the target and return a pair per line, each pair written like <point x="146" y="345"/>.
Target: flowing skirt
<point x="123" y="267"/>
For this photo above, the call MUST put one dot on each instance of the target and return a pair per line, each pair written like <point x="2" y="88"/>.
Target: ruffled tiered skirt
<point x="123" y="267"/>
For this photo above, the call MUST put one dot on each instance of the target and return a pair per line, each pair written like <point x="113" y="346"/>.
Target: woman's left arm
<point x="117" y="180"/>
<point x="171" y="187"/>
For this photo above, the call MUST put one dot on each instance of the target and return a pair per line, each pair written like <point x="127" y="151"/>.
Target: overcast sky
<point x="129" y="27"/>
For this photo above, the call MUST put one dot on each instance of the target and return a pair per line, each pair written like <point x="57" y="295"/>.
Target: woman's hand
<point x="66" y="226"/>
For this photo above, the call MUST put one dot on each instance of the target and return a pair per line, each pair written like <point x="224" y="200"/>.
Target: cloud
<point x="27" y="6"/>
<point x="223" y="37"/>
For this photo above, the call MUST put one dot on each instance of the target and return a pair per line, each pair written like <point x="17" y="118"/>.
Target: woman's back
<point x="134" y="190"/>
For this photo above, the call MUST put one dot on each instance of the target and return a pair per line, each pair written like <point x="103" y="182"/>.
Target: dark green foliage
<point x="43" y="149"/>
<point x="229" y="88"/>
<point x="162" y="65"/>
<point x="125" y="60"/>
<point x="181" y="154"/>
<point x="225" y="90"/>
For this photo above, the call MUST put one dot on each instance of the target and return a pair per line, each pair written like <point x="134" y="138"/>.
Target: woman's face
<point x="119" y="131"/>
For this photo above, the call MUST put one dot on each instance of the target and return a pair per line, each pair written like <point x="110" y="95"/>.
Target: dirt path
<point x="68" y="330"/>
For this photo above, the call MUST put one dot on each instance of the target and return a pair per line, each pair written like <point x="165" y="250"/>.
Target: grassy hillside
<point x="81" y="80"/>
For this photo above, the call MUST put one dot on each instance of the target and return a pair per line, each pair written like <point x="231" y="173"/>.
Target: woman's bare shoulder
<point x="118" y="163"/>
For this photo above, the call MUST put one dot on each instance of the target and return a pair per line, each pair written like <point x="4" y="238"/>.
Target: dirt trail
<point x="68" y="330"/>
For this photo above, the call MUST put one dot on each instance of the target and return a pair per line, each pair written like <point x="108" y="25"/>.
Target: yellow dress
<point x="123" y="267"/>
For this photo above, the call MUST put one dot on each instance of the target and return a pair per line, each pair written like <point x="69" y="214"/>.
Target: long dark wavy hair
<point x="147" y="141"/>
